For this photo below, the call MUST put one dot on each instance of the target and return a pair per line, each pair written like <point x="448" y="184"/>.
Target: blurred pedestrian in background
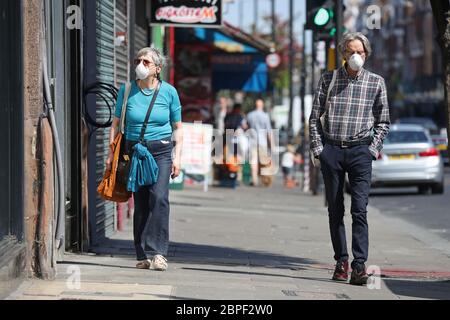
<point x="288" y="166"/>
<point x="235" y="124"/>
<point x="220" y="112"/>
<point x="260" y="139"/>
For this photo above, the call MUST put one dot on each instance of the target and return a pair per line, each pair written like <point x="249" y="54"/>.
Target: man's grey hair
<point x="351" y="36"/>
<point x="158" y="58"/>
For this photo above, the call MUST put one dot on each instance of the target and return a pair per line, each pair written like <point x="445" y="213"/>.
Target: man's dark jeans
<point x="357" y="162"/>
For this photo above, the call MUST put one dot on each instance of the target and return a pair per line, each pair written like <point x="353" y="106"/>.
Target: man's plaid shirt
<point x="358" y="109"/>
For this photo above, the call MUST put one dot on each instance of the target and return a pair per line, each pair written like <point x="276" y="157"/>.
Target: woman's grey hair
<point x="158" y="58"/>
<point x="351" y="36"/>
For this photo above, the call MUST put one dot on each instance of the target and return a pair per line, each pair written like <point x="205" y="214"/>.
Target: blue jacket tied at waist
<point x="144" y="169"/>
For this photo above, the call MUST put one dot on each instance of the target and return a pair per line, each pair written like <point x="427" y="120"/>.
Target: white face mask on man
<point x="356" y="62"/>
<point x="142" y="72"/>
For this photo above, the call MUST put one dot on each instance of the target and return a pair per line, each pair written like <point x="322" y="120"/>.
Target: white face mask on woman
<point x="356" y="62"/>
<point x="142" y="72"/>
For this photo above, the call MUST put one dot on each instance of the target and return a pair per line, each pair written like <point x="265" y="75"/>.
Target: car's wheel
<point x="424" y="189"/>
<point x="438" y="188"/>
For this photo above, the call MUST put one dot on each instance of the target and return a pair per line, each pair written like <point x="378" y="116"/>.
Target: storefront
<point x="210" y="60"/>
<point x="11" y="132"/>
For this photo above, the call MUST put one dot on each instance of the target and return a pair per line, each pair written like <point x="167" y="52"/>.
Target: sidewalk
<point x="253" y="243"/>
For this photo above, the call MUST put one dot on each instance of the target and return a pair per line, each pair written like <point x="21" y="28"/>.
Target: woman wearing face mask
<point x="151" y="215"/>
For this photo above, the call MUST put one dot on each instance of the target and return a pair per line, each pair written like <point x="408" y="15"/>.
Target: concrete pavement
<point x="253" y="243"/>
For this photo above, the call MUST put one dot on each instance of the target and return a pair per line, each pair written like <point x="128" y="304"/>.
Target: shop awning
<point x="238" y="60"/>
<point x="239" y="71"/>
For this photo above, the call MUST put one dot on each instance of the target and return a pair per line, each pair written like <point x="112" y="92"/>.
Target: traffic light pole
<point x="339" y="22"/>
<point x="303" y="150"/>
<point x="312" y="171"/>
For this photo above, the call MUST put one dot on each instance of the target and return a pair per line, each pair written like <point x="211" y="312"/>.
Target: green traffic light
<point x="333" y="32"/>
<point x="322" y="17"/>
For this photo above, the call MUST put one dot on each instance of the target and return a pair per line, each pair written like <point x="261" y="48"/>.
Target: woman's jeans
<point x="151" y="212"/>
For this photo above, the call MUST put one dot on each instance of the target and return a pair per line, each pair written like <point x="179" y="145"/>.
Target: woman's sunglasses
<point x="146" y="62"/>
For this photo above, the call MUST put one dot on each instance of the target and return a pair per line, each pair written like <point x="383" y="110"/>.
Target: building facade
<point x="407" y="54"/>
<point x="55" y="124"/>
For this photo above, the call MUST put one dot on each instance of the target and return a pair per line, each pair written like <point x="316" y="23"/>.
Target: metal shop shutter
<point x="140" y="38"/>
<point x="122" y="50"/>
<point x="105" y="210"/>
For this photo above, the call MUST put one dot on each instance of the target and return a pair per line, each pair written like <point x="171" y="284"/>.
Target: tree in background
<point x="441" y="12"/>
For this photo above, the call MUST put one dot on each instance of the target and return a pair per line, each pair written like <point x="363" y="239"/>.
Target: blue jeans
<point x="357" y="162"/>
<point x="151" y="204"/>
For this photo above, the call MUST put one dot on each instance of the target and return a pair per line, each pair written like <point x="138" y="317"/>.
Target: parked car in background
<point x="441" y="143"/>
<point x="409" y="158"/>
<point x="427" y="123"/>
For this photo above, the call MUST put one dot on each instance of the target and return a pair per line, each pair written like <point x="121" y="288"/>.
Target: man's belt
<point x="347" y="144"/>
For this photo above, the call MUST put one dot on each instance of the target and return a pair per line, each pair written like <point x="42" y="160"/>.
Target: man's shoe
<point x="359" y="277"/>
<point x="341" y="271"/>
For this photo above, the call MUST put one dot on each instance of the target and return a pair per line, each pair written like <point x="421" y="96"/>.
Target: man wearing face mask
<point x="348" y="123"/>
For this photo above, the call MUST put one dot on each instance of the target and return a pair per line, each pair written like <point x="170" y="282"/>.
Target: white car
<point x="409" y="158"/>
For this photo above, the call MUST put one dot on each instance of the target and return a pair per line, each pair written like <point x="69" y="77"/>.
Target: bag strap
<point x="150" y="108"/>
<point x="330" y="87"/>
<point x="124" y="108"/>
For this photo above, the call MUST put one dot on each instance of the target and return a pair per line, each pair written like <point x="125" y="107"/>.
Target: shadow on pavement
<point x="201" y="254"/>
<point x="92" y="264"/>
<point x="315" y="279"/>
<point x="393" y="194"/>
<point x="439" y="290"/>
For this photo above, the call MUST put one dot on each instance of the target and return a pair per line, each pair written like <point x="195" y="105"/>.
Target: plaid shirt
<point x="358" y="109"/>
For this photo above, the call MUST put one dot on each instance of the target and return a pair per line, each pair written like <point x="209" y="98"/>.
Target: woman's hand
<point x="178" y="134"/>
<point x="109" y="161"/>
<point x="112" y="135"/>
<point x="176" y="168"/>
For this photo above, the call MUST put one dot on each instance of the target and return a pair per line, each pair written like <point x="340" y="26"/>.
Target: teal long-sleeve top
<point x="167" y="110"/>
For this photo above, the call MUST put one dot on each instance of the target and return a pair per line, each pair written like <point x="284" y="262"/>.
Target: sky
<point x="231" y="14"/>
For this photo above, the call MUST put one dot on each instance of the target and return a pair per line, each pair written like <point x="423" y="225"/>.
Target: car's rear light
<point x="380" y="156"/>
<point x="432" y="152"/>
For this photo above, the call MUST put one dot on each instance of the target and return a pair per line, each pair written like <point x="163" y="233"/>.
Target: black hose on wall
<point x="108" y="94"/>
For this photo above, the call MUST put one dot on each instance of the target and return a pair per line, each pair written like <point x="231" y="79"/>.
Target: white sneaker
<point x="159" y="263"/>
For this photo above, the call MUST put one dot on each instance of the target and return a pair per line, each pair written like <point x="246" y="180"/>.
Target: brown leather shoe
<point x="144" y="264"/>
<point x="341" y="271"/>
<point x="359" y="278"/>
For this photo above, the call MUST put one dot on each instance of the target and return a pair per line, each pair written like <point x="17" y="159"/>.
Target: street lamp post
<point x="291" y="67"/>
<point x="241" y="14"/>
<point x="302" y="97"/>
<point x="273" y="21"/>
<point x="339" y="21"/>
<point x="255" y="18"/>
